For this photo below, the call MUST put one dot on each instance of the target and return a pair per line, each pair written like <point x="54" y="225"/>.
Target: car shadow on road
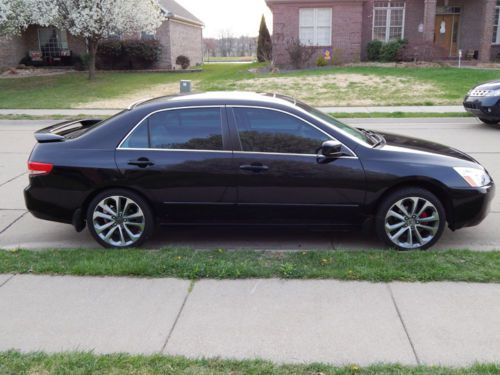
<point x="234" y="238"/>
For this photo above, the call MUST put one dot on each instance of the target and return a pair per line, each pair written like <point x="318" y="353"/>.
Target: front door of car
<point x="282" y="179"/>
<point x="179" y="160"/>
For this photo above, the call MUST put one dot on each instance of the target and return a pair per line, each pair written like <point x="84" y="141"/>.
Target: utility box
<point x="185" y="86"/>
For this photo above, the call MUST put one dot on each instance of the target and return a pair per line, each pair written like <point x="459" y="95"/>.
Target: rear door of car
<point x="281" y="178"/>
<point x="179" y="159"/>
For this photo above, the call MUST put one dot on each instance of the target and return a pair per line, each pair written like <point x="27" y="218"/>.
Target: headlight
<point x="493" y="93"/>
<point x="475" y="177"/>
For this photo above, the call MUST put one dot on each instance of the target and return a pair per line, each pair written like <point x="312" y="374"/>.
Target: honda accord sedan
<point x="248" y="159"/>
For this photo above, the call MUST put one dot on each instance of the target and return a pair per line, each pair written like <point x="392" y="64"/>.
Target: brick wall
<point x="12" y="50"/>
<point x="346" y="28"/>
<point x="163" y="35"/>
<point x="186" y="40"/>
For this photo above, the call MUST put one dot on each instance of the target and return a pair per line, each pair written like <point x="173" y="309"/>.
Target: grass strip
<point x="399" y="114"/>
<point x="13" y="362"/>
<point x="375" y="266"/>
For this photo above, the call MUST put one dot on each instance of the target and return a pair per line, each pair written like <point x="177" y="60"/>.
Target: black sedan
<point x="248" y="159"/>
<point x="483" y="101"/>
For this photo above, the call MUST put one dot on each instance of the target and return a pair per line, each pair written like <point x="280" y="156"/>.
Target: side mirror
<point x="332" y="149"/>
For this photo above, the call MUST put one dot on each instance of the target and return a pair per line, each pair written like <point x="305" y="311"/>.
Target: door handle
<point x="254" y="167"/>
<point x="141" y="163"/>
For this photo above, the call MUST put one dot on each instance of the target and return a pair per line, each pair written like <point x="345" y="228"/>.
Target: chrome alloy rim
<point x="118" y="221"/>
<point x="412" y="222"/>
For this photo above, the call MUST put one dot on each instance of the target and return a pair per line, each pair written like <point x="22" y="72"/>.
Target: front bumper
<point x="470" y="206"/>
<point x="486" y="107"/>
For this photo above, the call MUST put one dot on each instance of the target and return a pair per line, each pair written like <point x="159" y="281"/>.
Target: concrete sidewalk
<point x="110" y="112"/>
<point x="336" y="322"/>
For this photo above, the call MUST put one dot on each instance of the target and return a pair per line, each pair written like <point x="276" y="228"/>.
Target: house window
<point x="52" y="41"/>
<point x="388" y="20"/>
<point x="147" y="36"/>
<point x="315" y="26"/>
<point x="496" y="24"/>
<point x="114" y="36"/>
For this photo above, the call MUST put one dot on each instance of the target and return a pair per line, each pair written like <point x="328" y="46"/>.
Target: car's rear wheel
<point x="120" y="218"/>
<point x="490" y="122"/>
<point x="410" y="219"/>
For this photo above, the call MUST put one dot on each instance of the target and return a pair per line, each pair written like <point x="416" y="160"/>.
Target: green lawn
<point x="322" y="87"/>
<point x="375" y="266"/>
<point x="399" y="115"/>
<point x="15" y="363"/>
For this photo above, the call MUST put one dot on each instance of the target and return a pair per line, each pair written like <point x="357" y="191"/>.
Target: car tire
<point x="489" y="122"/>
<point x="410" y="219"/>
<point x="119" y="218"/>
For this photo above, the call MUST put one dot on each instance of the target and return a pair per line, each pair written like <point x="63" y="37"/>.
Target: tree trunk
<point x="92" y="46"/>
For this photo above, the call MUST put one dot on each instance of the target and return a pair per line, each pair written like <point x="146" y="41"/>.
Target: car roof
<point x="215" y="98"/>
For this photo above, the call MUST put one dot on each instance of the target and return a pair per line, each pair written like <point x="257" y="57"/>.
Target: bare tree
<point x="226" y="42"/>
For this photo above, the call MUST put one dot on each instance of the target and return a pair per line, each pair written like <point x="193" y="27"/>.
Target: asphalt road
<point x="19" y="229"/>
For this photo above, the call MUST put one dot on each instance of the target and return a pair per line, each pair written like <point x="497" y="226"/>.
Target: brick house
<point x="180" y="34"/>
<point x="434" y="29"/>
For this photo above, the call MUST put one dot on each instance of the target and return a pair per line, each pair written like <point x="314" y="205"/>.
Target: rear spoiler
<point x="56" y="133"/>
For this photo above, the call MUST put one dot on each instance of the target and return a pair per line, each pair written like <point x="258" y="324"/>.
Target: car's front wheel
<point x="120" y="219"/>
<point x="489" y="122"/>
<point x="410" y="219"/>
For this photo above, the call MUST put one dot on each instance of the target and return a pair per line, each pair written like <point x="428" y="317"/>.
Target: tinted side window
<point x="186" y="129"/>
<point x="139" y="138"/>
<point x="263" y="130"/>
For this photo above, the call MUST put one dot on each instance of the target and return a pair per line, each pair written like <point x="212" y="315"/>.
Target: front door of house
<point x="446" y="33"/>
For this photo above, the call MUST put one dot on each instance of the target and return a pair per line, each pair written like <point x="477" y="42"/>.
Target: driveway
<point x="19" y="229"/>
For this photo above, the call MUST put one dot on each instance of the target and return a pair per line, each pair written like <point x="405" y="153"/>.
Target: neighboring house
<point x="180" y="34"/>
<point x="435" y="29"/>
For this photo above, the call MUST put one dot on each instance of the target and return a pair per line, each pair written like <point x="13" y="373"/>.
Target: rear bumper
<point x="45" y="209"/>
<point x="487" y="107"/>
<point x="471" y="206"/>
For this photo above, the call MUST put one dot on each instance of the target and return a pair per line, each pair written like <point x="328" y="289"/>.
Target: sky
<point x="240" y="17"/>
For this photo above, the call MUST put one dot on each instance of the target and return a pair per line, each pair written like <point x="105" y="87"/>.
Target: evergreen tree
<point x="264" y="44"/>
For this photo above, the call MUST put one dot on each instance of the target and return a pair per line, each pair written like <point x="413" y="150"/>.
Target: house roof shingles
<point x="175" y="10"/>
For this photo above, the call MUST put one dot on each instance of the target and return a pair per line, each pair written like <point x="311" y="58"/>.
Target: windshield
<point x="335" y="123"/>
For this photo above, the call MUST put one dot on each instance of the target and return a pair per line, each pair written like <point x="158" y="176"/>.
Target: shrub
<point x="128" y="54"/>
<point x="110" y="48"/>
<point x="321" y="61"/>
<point x="146" y="51"/>
<point x="373" y="50"/>
<point x="26" y="60"/>
<point x="183" y="61"/>
<point x="392" y="51"/>
<point x="299" y="54"/>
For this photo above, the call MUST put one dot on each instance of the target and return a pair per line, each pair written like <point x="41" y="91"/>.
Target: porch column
<point x="485" y="39"/>
<point x="429" y="20"/>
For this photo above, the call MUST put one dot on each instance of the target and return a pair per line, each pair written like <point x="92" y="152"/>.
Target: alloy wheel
<point x="118" y="221"/>
<point x="412" y="222"/>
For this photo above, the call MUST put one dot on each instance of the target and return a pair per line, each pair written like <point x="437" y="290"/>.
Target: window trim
<point x="241" y="151"/>
<point x="388" y="11"/>
<point x="497" y="21"/>
<point x="145" y="118"/>
<point x="315" y="27"/>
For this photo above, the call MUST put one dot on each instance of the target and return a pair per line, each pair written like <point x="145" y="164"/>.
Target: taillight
<point x="36" y="168"/>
